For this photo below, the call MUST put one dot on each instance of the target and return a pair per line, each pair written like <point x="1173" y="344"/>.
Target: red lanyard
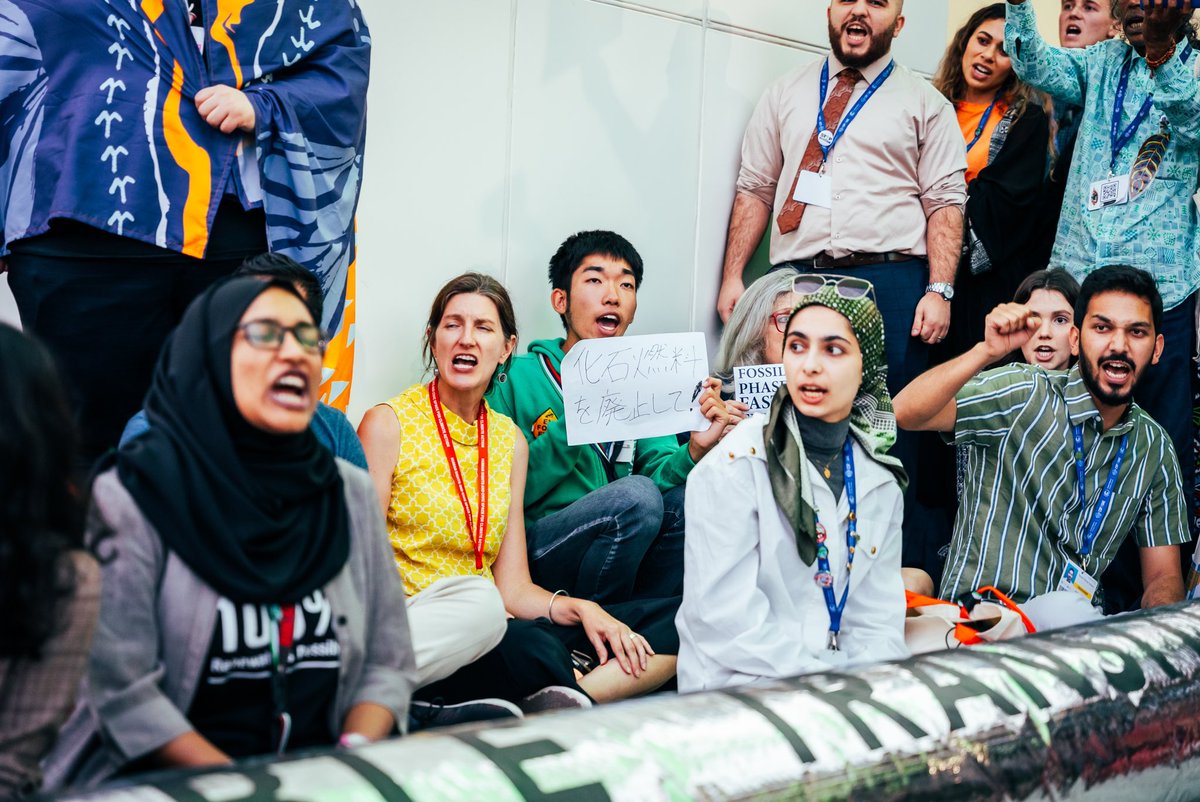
<point x="476" y="527"/>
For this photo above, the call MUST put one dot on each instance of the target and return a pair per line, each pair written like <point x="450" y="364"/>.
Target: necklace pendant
<point x="828" y="473"/>
<point x="832" y="645"/>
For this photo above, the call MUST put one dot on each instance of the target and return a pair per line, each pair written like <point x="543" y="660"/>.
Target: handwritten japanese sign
<point x="627" y="388"/>
<point x="755" y="386"/>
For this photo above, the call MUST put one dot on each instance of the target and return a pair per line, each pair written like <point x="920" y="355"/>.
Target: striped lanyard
<point x="476" y="526"/>
<point x="824" y="575"/>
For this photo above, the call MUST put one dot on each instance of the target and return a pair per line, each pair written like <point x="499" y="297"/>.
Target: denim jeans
<point x="620" y="542"/>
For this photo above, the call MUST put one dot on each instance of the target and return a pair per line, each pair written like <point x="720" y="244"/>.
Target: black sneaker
<point x="429" y="715"/>
<point x="555" y="697"/>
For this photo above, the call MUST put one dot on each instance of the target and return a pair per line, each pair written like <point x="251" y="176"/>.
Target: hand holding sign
<point x="755" y="386"/>
<point x="627" y="388"/>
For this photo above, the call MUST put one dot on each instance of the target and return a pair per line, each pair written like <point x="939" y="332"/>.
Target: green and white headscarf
<point x="872" y="420"/>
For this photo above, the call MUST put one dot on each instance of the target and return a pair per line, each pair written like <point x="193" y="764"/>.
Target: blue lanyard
<point x="987" y="115"/>
<point x="824" y="576"/>
<point x="1118" y="138"/>
<point x="826" y="138"/>
<point x="1105" y="500"/>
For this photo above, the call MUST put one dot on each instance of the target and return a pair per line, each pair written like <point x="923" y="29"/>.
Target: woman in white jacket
<point x="792" y="553"/>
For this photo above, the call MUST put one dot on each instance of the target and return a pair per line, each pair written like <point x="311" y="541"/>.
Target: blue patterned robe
<point x="99" y="122"/>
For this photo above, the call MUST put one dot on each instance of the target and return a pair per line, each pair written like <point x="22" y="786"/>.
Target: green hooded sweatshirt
<point x="560" y="474"/>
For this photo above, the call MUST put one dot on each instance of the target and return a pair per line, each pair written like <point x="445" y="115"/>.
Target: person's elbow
<point x="908" y="415"/>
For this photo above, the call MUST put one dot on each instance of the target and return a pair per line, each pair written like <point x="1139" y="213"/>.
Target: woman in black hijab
<point x="252" y="605"/>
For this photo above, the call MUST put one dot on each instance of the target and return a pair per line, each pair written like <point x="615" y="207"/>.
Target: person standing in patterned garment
<point x="148" y="149"/>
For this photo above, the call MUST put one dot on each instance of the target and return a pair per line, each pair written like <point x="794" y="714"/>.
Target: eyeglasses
<point x="781" y="319"/>
<point x="268" y="335"/>
<point x="845" y="286"/>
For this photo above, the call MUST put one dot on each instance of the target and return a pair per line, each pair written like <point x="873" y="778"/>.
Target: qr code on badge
<point x="1109" y="192"/>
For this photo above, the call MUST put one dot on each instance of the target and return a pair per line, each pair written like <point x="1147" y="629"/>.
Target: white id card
<point x="1078" y="580"/>
<point x="816" y="189"/>
<point x="1109" y="192"/>
<point x="625" y="455"/>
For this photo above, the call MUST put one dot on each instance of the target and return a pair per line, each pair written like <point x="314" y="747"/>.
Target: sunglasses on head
<point x="845" y="286"/>
<point x="268" y="335"/>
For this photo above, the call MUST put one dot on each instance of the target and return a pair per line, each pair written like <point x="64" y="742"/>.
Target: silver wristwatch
<point x="941" y="288"/>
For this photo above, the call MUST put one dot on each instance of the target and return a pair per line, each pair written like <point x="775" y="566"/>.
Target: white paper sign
<point x="755" y="386"/>
<point x="627" y="388"/>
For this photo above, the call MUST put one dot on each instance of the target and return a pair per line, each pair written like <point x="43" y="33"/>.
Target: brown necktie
<point x="793" y="210"/>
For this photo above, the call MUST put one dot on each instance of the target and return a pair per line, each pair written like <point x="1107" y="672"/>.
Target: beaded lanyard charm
<point x="824" y="575"/>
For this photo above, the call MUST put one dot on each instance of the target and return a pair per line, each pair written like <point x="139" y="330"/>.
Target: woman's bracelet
<point x="550" y="609"/>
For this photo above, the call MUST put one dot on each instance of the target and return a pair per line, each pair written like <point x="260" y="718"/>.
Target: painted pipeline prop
<point x="1107" y="711"/>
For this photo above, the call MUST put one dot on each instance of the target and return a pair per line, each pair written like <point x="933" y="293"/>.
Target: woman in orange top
<point x="1007" y="134"/>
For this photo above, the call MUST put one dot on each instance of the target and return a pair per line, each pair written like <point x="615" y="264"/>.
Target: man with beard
<point x="857" y="165"/>
<point x="1061" y="465"/>
<point x="1129" y="191"/>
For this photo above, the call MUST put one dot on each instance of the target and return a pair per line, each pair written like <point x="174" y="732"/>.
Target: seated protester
<point x="792" y="554"/>
<point x="603" y="522"/>
<point x="329" y="424"/>
<point x="1051" y="295"/>
<point x="49" y="584"/>
<point x="250" y="605"/>
<point x="426" y="448"/>
<point x="754" y="333"/>
<point x="1033" y="513"/>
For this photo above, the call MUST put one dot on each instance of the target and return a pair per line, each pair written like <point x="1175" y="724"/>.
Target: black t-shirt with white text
<point x="234" y="705"/>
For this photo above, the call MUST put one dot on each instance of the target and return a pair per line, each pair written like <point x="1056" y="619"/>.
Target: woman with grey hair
<point x="754" y="333"/>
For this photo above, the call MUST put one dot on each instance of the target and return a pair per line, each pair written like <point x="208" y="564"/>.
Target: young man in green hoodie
<point x="603" y="522"/>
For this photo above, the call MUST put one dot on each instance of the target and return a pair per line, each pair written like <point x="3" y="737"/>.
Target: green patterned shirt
<point x="1019" y="520"/>
<point x="1156" y="231"/>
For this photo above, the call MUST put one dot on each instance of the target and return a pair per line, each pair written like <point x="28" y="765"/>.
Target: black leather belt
<point x="824" y="261"/>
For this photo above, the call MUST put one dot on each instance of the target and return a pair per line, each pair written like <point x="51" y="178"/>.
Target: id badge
<point x="1109" y="192"/>
<point x="816" y="189"/>
<point x="625" y="455"/>
<point x="1078" y="580"/>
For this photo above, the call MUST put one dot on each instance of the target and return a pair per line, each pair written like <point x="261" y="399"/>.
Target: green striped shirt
<point x="1019" y="519"/>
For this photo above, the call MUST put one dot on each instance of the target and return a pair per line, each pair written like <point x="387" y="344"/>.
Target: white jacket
<point x="751" y="610"/>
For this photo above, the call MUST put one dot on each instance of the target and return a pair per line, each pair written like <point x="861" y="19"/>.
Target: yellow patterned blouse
<point x="425" y="517"/>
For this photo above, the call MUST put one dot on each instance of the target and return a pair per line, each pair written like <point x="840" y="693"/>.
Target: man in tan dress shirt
<point x="886" y="205"/>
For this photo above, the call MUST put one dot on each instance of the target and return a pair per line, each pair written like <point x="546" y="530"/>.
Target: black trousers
<point x="104" y="311"/>
<point x="537" y="654"/>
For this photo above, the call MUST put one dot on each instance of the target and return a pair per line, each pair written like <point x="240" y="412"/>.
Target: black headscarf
<point x="260" y="517"/>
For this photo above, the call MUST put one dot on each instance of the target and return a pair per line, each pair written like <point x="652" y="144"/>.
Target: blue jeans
<point x="620" y="542"/>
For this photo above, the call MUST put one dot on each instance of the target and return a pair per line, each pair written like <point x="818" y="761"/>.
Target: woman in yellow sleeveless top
<point x="427" y="449"/>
